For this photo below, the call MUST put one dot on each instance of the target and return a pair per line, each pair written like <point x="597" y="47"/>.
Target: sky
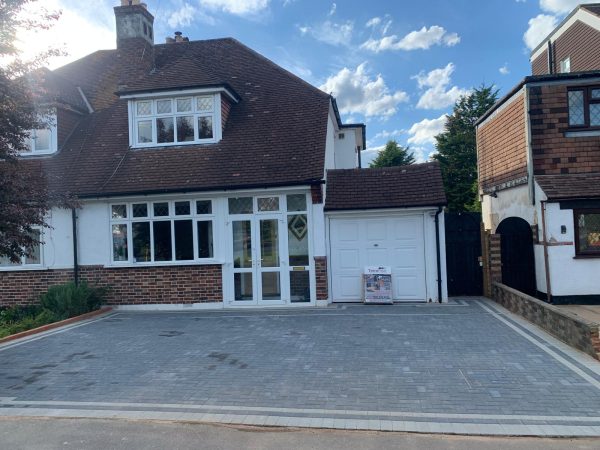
<point x="396" y="65"/>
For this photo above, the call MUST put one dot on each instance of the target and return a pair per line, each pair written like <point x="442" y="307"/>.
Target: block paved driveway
<point x="468" y="366"/>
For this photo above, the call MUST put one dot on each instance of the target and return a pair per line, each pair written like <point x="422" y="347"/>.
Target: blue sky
<point x="397" y="66"/>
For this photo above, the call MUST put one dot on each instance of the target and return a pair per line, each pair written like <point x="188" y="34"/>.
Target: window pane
<point x="119" y="211"/>
<point x="589" y="233"/>
<point x="164" y="130"/>
<point x="140" y="210"/>
<point x="576" y="115"/>
<point x="184" y="104"/>
<point x="6" y="262"/>
<point x="144" y="131"/>
<point x="33" y="257"/>
<point x="162" y="241"/>
<point x="596" y="93"/>
<point x="595" y="115"/>
<point x="119" y="235"/>
<point x="300" y="286"/>
<point x="184" y="240"/>
<point x="185" y="128"/>
<point x="42" y="140"/>
<point x="205" y="128"/>
<point x="204" y="207"/>
<point x="242" y="244"/>
<point x="182" y="208"/>
<point x="144" y="108"/>
<point x="243" y="286"/>
<point x="271" y="286"/>
<point x="298" y="240"/>
<point x="268" y="204"/>
<point x="296" y="202"/>
<point x="163" y="106"/>
<point x="141" y="241"/>
<point x="161" y="209"/>
<point x="241" y="205"/>
<point x="205" y="103"/>
<point x="269" y="243"/>
<point x="205" y="239"/>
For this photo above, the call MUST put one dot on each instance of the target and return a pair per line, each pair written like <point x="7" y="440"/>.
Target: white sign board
<point x="377" y="284"/>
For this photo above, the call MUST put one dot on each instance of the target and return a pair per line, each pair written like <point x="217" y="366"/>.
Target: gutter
<point x="75" y="255"/>
<point x="437" y="252"/>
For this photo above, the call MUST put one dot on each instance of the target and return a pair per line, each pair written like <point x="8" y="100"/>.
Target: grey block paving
<point x="366" y="363"/>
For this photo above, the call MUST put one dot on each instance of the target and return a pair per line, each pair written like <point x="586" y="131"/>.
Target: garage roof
<point x="382" y="188"/>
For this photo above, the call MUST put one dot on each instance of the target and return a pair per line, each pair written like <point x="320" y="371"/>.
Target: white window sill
<point x="174" y="144"/>
<point x="30" y="154"/>
<point x="23" y="268"/>
<point x="207" y="262"/>
<point x="582" y="133"/>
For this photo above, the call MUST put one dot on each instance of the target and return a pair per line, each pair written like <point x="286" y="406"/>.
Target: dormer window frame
<point x="52" y="129"/>
<point x="159" y="113"/>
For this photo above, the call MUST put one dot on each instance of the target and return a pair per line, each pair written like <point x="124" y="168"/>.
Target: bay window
<point x="584" y="107"/>
<point x="162" y="231"/>
<point x="587" y="233"/>
<point x="175" y="121"/>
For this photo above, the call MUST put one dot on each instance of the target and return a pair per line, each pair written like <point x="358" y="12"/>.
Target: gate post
<point x="491" y="258"/>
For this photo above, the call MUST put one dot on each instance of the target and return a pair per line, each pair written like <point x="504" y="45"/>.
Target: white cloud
<point x="237" y="7"/>
<point x="539" y="27"/>
<point x="422" y="39"/>
<point x="187" y="15"/>
<point x="330" y="32"/>
<point x="333" y="9"/>
<point x="81" y="29"/>
<point x="437" y="94"/>
<point x="358" y="92"/>
<point x="559" y="6"/>
<point x="424" y="132"/>
<point x="368" y="155"/>
<point x="373" y="22"/>
<point x="388" y="134"/>
<point x="504" y="70"/>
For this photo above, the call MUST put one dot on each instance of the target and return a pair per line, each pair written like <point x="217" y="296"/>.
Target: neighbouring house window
<point x="584" y="107"/>
<point x="175" y="121"/>
<point x="587" y="233"/>
<point x="163" y="231"/>
<point x="44" y="140"/>
<point x="565" y="65"/>
<point x="32" y="259"/>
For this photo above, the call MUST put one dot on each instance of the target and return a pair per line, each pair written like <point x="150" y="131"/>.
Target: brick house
<point x="202" y="172"/>
<point x="539" y="168"/>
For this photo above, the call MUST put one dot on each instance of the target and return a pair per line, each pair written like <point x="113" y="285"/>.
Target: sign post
<point x="377" y="285"/>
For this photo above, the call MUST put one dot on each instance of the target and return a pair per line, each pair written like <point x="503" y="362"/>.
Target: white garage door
<point x="395" y="242"/>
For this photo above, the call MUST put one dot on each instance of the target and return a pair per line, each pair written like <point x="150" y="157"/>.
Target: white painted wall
<point x="57" y="249"/>
<point x="94" y="234"/>
<point x="330" y="144"/>
<point x="345" y="149"/>
<point x="513" y="202"/>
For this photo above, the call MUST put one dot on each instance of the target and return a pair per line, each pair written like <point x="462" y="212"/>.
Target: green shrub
<point x="27" y="323"/>
<point x="68" y="300"/>
<point x="16" y="313"/>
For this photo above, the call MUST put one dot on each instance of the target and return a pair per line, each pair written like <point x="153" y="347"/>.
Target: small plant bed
<point x="59" y="303"/>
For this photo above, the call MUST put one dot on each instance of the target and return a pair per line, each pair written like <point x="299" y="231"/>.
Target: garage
<point x="387" y="217"/>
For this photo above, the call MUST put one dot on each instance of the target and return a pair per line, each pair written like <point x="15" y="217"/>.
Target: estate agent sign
<point x="377" y="287"/>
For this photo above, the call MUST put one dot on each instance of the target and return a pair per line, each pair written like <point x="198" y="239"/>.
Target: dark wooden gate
<point x="463" y="249"/>
<point x="518" y="261"/>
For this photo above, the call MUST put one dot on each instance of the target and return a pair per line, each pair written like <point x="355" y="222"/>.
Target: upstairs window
<point x="175" y="121"/>
<point x="565" y="65"/>
<point x="584" y="107"/>
<point x="587" y="233"/>
<point x="42" y="141"/>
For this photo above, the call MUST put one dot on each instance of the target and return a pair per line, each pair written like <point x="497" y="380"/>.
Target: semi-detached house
<point x="208" y="176"/>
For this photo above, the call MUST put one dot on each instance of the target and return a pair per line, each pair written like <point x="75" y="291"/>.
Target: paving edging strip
<point x="53" y="325"/>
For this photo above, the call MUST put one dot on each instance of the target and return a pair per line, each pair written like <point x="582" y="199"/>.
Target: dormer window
<point x="178" y="120"/>
<point x="42" y="141"/>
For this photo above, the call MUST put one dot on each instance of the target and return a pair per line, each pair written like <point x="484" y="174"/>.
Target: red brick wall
<point x="502" y="146"/>
<point x="553" y="153"/>
<point x="316" y="193"/>
<point x="321" y="274"/>
<point x="539" y="66"/>
<point x="128" y="286"/>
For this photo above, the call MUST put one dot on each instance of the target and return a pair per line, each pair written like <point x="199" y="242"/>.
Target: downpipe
<point x="437" y="251"/>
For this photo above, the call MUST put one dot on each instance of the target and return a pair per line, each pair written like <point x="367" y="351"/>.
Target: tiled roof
<point x="594" y="8"/>
<point x="57" y="90"/>
<point x="570" y="186"/>
<point x="274" y="136"/>
<point x="390" y="187"/>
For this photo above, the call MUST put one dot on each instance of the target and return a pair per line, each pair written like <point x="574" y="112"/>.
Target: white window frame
<point x="565" y="65"/>
<point x="23" y="265"/>
<point x="171" y="217"/>
<point x="53" y="129"/>
<point x="215" y="114"/>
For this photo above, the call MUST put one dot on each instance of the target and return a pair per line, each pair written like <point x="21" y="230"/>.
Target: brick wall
<point x="491" y="256"/>
<point x="321" y="274"/>
<point x="568" y="328"/>
<point x="539" y="66"/>
<point x="501" y="145"/>
<point x="553" y="153"/>
<point x="316" y="193"/>
<point x="128" y="286"/>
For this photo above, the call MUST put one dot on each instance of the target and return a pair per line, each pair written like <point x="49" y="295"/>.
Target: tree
<point x="24" y="197"/>
<point x="456" y="148"/>
<point x="393" y="155"/>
